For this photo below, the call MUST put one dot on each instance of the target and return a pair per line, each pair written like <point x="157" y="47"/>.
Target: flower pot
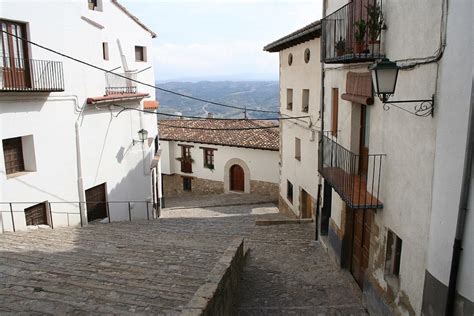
<point x="358" y="47"/>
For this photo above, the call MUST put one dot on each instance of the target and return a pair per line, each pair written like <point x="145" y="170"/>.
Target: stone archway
<point x="227" y="177"/>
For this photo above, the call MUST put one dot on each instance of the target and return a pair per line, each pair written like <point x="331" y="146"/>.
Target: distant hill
<point x="253" y="94"/>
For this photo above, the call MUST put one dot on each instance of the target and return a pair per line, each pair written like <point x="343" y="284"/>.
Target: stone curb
<point x="220" y="205"/>
<point x="219" y="294"/>
<point x="268" y="222"/>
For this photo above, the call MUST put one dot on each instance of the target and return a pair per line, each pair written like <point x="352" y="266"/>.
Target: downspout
<point x="320" y="140"/>
<point x="80" y="182"/>
<point x="463" y="204"/>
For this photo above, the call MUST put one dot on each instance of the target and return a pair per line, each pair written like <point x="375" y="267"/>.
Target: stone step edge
<point x="219" y="294"/>
<point x="268" y="222"/>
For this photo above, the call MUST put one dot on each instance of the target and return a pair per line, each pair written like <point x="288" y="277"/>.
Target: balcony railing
<point x="354" y="177"/>
<point x="29" y="75"/>
<point x="120" y="85"/>
<point x="343" y="39"/>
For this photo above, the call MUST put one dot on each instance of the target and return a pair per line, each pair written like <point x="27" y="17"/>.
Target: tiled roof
<point x="116" y="97"/>
<point x="267" y="138"/>
<point x="151" y="105"/>
<point x="309" y="32"/>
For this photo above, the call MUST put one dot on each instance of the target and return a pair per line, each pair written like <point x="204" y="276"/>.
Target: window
<point x="209" y="158"/>
<point x="95" y="5"/>
<point x="307" y="55"/>
<point x="140" y="53"/>
<point x="187" y="182"/>
<point x="13" y="154"/>
<point x="105" y="50"/>
<point x="185" y="152"/>
<point x="297" y="149"/>
<point x="393" y="255"/>
<point x="289" y="191"/>
<point x="290" y="59"/>
<point x="305" y="101"/>
<point x="186" y="160"/>
<point x="13" y="53"/>
<point x="289" y="99"/>
<point x="335" y="111"/>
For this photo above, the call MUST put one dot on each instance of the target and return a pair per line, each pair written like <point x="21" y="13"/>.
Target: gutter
<point x="462" y="214"/>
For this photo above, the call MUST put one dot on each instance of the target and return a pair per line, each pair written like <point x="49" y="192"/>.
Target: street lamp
<point x="142" y="136"/>
<point x="384" y="78"/>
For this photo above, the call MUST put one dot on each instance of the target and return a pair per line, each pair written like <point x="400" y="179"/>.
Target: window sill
<point x="18" y="174"/>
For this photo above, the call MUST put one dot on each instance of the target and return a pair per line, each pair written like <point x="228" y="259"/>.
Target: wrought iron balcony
<point x="120" y="85"/>
<point x="29" y="75"/>
<point x="352" y="34"/>
<point x="356" y="178"/>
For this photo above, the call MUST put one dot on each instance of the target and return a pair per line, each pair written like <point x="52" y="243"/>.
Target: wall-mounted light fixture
<point x="142" y="136"/>
<point x="384" y="78"/>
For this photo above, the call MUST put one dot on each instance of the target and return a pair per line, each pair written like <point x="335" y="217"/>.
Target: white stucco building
<point x="300" y="86"/>
<point x="219" y="156"/>
<point x="67" y="147"/>
<point x="392" y="179"/>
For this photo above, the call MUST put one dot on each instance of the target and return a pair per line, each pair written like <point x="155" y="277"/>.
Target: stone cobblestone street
<point x="154" y="267"/>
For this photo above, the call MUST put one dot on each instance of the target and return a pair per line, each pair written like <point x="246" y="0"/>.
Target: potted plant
<point x="185" y="159"/>
<point x="374" y="23"/>
<point x="359" y="35"/>
<point x="340" y="47"/>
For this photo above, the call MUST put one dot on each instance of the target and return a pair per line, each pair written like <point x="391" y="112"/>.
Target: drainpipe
<point x="80" y="183"/>
<point x="463" y="204"/>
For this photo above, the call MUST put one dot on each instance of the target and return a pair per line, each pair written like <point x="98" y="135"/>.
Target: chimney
<point x="210" y="115"/>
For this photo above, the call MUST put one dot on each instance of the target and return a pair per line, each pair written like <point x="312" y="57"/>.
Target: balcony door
<point x="13" y="56"/>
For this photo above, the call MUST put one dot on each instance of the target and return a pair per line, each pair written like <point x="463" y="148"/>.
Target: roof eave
<point x="300" y="36"/>
<point x="134" y="18"/>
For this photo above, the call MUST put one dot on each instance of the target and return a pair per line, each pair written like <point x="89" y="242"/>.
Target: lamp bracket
<point x="424" y="108"/>
<point x="134" y="141"/>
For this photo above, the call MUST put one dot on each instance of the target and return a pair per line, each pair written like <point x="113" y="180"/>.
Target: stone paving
<point x="154" y="267"/>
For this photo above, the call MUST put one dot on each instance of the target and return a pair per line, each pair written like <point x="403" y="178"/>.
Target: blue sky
<point x="220" y="38"/>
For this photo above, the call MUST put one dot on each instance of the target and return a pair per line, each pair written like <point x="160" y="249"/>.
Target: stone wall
<point x="220" y="294"/>
<point x="284" y="208"/>
<point x="173" y="186"/>
<point x="265" y="188"/>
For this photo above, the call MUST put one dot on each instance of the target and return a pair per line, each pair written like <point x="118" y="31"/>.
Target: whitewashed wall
<point x="300" y="75"/>
<point x="263" y="164"/>
<point x="106" y="141"/>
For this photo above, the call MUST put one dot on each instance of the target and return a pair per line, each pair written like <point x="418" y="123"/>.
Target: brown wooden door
<point x="36" y="215"/>
<point x="362" y="220"/>
<point x="363" y="144"/>
<point x="237" y="182"/>
<point x="306" y="205"/>
<point x="14" y="60"/>
<point x="96" y="200"/>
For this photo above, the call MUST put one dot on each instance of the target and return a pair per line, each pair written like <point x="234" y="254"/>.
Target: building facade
<point x="392" y="178"/>
<point x="216" y="156"/>
<point x="300" y="84"/>
<point x="70" y="141"/>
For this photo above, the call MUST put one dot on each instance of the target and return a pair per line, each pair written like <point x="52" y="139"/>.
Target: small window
<point x="393" y="255"/>
<point x="187" y="183"/>
<point x="289" y="191"/>
<point x="297" y="149"/>
<point x="209" y="158"/>
<point x="140" y="53"/>
<point x="307" y="55"/>
<point x="95" y="5"/>
<point x="335" y="111"/>
<point x="13" y="155"/>
<point x="185" y="152"/>
<point x="305" y="101"/>
<point x="289" y="99"/>
<point x="105" y="50"/>
<point x="290" y="59"/>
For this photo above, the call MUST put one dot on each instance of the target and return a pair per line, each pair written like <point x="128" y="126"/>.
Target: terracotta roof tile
<point x="267" y="138"/>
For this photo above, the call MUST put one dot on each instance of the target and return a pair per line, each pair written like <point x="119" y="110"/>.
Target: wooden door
<point x="37" y="215"/>
<point x="13" y="54"/>
<point x="364" y="143"/>
<point x="362" y="221"/>
<point x="96" y="200"/>
<point x="237" y="178"/>
<point x="306" y="205"/>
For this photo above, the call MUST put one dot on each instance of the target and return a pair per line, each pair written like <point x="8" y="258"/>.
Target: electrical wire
<point x="245" y="109"/>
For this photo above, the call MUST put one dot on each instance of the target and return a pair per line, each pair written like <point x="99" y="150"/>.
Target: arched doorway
<point x="237" y="178"/>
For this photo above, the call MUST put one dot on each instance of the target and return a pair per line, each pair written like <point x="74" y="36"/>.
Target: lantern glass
<point x="384" y="77"/>
<point x="142" y="134"/>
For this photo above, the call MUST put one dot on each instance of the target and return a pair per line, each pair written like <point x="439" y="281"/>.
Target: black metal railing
<point x="344" y="39"/>
<point x="356" y="178"/>
<point x="62" y="214"/>
<point x="120" y="84"/>
<point x="20" y="74"/>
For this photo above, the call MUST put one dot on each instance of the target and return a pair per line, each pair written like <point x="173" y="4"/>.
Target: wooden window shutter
<point x="335" y="111"/>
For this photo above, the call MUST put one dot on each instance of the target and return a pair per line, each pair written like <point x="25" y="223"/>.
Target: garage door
<point x="96" y="202"/>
